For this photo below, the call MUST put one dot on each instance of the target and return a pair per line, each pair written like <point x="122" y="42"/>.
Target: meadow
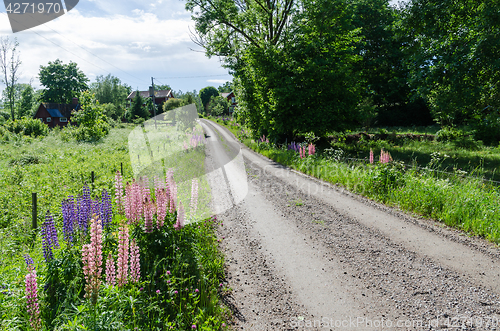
<point x="177" y="285"/>
<point x="434" y="179"/>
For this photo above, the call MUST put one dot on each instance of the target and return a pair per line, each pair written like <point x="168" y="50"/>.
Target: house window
<point x="63" y="119"/>
<point x="49" y="119"/>
<point x="232" y="99"/>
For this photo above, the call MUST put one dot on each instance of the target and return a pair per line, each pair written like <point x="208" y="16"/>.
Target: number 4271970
<point x="26" y="7"/>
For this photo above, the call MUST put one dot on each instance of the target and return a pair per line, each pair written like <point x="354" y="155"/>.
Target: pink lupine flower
<point x="371" y="156"/>
<point x="311" y="149"/>
<point x="180" y="218"/>
<point x="148" y="215"/>
<point x="161" y="206"/>
<point x="194" y="196"/>
<point x="119" y="192"/>
<point x="110" y="270"/>
<point x="385" y="157"/>
<point x="122" y="262"/>
<point x="135" y="267"/>
<point x="31" y="291"/>
<point x="92" y="260"/>
<point x="171" y="190"/>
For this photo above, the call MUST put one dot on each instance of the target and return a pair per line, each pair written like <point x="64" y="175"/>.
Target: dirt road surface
<point x="305" y="255"/>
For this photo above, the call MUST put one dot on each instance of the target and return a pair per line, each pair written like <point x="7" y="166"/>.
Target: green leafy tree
<point x="137" y="111"/>
<point x="218" y="105"/>
<point x="27" y="101"/>
<point x="91" y="120"/>
<point x="226" y="87"/>
<point x="293" y="61"/>
<point x="62" y="82"/>
<point x="110" y="90"/>
<point x="206" y="93"/>
<point x="454" y="56"/>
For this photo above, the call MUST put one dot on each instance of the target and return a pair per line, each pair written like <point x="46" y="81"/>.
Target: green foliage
<point x="217" y="105"/>
<point x="110" y="90"/>
<point x="27" y="126"/>
<point x="62" y="82"/>
<point x="172" y="104"/>
<point x="453" y="56"/>
<point x="206" y="94"/>
<point x="487" y="127"/>
<point x="226" y="87"/>
<point x="91" y="120"/>
<point x="27" y="102"/>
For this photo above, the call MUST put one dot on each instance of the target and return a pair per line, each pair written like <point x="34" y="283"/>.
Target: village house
<point x="231" y="99"/>
<point x="160" y="96"/>
<point x="58" y="114"/>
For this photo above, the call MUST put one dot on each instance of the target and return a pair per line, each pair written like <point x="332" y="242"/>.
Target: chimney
<point x="75" y="101"/>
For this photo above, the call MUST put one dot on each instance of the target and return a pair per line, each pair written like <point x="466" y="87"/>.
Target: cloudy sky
<point x="133" y="40"/>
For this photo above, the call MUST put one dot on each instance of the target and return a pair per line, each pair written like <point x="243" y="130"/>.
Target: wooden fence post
<point x="33" y="211"/>
<point x="121" y="168"/>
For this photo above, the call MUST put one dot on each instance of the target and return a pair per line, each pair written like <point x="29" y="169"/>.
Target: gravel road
<point x="304" y="255"/>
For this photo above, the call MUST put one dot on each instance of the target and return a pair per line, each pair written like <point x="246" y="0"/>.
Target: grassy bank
<point x="180" y="266"/>
<point x="456" y="199"/>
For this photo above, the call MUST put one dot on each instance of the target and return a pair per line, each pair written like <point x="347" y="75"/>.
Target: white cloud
<point x="218" y="81"/>
<point x="132" y="47"/>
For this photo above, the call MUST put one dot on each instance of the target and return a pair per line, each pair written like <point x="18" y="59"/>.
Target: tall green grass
<point x="466" y="203"/>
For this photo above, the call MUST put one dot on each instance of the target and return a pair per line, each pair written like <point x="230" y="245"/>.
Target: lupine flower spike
<point x="122" y="262"/>
<point x="49" y="237"/>
<point x="31" y="291"/>
<point x="194" y="196"/>
<point x="110" y="270"/>
<point x="371" y="156"/>
<point x="180" y="218"/>
<point x="92" y="260"/>
<point x="119" y="192"/>
<point x="135" y="268"/>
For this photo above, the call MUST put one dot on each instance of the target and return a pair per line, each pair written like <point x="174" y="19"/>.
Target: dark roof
<point x="54" y="112"/>
<point x="158" y="94"/>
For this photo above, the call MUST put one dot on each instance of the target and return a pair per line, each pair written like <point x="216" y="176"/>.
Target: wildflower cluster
<point x="385" y="157"/>
<point x="77" y="214"/>
<point x="302" y="150"/>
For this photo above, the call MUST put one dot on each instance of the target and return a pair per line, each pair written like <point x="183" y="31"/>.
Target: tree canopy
<point x="206" y="93"/>
<point x="62" y="82"/>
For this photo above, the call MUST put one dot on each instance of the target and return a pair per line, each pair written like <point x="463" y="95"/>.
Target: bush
<point x="27" y="126"/>
<point x="487" y="129"/>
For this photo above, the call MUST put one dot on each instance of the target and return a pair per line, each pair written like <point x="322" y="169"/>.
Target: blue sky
<point x="130" y="39"/>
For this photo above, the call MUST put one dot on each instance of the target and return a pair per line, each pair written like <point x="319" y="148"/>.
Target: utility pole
<point x="152" y="95"/>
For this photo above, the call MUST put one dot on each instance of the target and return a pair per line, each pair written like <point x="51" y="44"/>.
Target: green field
<point x="55" y="168"/>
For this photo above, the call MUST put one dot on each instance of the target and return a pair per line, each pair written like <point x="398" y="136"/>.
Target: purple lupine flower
<point x="69" y="218"/>
<point x="49" y="237"/>
<point x="29" y="261"/>
<point x="106" y="209"/>
<point x="96" y="207"/>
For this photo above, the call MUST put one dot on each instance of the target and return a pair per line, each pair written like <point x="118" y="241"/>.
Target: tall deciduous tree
<point x="292" y="59"/>
<point x="62" y="82"/>
<point x="9" y="65"/>
<point x="110" y="89"/>
<point x="206" y="93"/>
<point x="455" y="56"/>
<point x="137" y="111"/>
<point x="27" y="101"/>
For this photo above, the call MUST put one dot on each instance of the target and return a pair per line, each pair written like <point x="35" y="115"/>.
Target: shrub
<point x="27" y="126"/>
